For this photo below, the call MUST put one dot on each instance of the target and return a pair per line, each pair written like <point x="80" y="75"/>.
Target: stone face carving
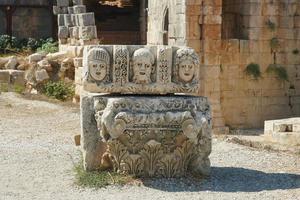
<point x="142" y="64"/>
<point x="186" y="64"/>
<point x="98" y="63"/>
<point x="151" y="136"/>
<point x="146" y="70"/>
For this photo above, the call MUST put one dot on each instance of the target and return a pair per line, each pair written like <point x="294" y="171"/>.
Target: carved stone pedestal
<point x="161" y="136"/>
<point x="138" y="127"/>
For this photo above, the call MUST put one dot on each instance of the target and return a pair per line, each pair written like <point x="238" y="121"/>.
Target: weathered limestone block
<point x="62" y="3"/>
<point x="68" y="20"/>
<point x="63" y="32"/>
<point x="60" y="20"/>
<point x="86" y="19"/>
<point x="87" y="32"/>
<point x="36" y="57"/>
<point x="79" y="9"/>
<point x="41" y="75"/>
<point x="141" y="69"/>
<point x="157" y="136"/>
<point x="71" y="10"/>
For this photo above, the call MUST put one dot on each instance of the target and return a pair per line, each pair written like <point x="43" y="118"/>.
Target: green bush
<point x="49" y="47"/>
<point x="59" y="90"/>
<point x="32" y="44"/>
<point x="253" y="70"/>
<point x="4" y="41"/>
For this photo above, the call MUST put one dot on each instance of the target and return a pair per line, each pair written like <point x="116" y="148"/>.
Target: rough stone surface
<point x="86" y="19"/>
<point x="36" y="57"/>
<point x="12" y="63"/>
<point x="41" y="75"/>
<point x="141" y="69"/>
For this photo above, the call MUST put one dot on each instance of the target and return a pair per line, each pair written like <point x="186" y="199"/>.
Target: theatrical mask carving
<point x="98" y="64"/>
<point x="187" y="64"/>
<point x="143" y="61"/>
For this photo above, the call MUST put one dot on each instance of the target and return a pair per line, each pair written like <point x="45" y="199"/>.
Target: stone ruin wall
<point x="229" y="35"/>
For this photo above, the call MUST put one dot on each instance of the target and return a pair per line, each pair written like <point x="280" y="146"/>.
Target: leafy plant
<point x="59" y="90"/>
<point x="274" y="43"/>
<point x="279" y="71"/>
<point x="49" y="47"/>
<point x="296" y="51"/>
<point x="271" y="25"/>
<point x="253" y="70"/>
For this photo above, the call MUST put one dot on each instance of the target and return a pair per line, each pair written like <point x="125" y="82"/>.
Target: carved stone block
<point x="79" y="9"/>
<point x="77" y="2"/>
<point x="63" y="32"/>
<point x="141" y="69"/>
<point x="87" y="32"/>
<point x="86" y="19"/>
<point x="62" y="3"/>
<point x="61" y="20"/>
<point x="68" y="20"/>
<point x="157" y="136"/>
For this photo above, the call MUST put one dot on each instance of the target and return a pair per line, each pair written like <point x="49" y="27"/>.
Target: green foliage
<point x="99" y="179"/>
<point x="49" y="47"/>
<point x="253" y="70"/>
<point x="32" y="44"/>
<point x="271" y="25"/>
<point x="279" y="71"/>
<point x="4" y="41"/>
<point x="296" y="51"/>
<point x="274" y="43"/>
<point x="59" y="90"/>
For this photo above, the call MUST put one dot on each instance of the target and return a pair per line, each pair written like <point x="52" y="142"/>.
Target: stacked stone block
<point x="76" y="26"/>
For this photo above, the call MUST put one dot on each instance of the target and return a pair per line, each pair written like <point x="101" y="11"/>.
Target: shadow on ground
<point x="230" y="179"/>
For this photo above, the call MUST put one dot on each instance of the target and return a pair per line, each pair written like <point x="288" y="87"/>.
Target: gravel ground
<point x="37" y="155"/>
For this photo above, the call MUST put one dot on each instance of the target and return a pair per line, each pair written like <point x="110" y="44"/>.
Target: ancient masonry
<point x="154" y="135"/>
<point x="76" y="28"/>
<point x="229" y="35"/>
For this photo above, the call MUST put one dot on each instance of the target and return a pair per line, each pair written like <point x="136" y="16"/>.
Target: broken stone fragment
<point x="57" y="56"/>
<point x="12" y="63"/>
<point x="44" y="64"/>
<point x="36" y="57"/>
<point x="41" y="75"/>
